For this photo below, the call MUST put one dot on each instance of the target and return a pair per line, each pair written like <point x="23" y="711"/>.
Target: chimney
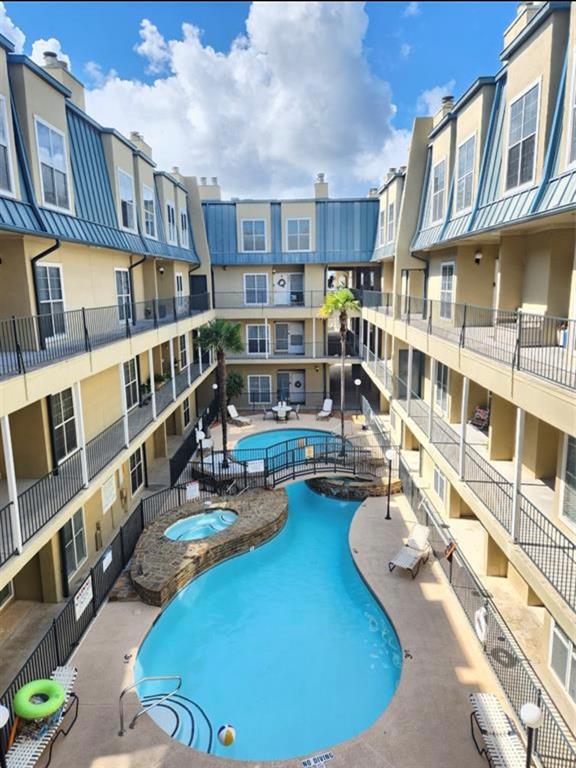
<point x="321" y="186"/>
<point x="209" y="191"/>
<point x="525" y="12"/>
<point x="176" y="173"/>
<point x="445" y="108"/>
<point x="58" y="69"/>
<point x="138" y="140"/>
<point x="373" y="192"/>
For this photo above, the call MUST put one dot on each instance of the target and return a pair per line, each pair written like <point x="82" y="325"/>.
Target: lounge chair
<point x="206" y="443"/>
<point x="240" y="421"/>
<point x="326" y="411"/>
<point x="416" y="550"/>
<point x="295" y="412"/>
<point x="502" y="745"/>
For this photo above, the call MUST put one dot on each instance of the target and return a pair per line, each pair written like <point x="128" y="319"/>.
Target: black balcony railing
<point x="34" y="341"/>
<point x="104" y="447"/>
<point x="7" y="548"/>
<point x="261" y="301"/>
<point x="140" y="416"/>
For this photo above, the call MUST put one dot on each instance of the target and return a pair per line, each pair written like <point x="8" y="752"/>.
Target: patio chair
<point x="206" y="443"/>
<point x="326" y="411"/>
<point x="295" y="412"/>
<point x="502" y="745"/>
<point x="267" y="413"/>
<point x="235" y="418"/>
<point x="481" y="418"/>
<point x="416" y="550"/>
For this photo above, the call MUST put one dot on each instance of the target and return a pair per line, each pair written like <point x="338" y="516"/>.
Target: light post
<point x="389" y="456"/>
<point x="4" y="717"/>
<point x="531" y="716"/>
<point x="357" y="383"/>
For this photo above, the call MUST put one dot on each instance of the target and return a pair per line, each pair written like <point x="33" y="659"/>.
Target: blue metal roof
<point x="345" y="232"/>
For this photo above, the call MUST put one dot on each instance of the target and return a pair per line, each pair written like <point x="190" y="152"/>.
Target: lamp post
<point x="389" y="456"/>
<point x="357" y="383"/>
<point x="531" y="716"/>
<point x="4" y="717"/>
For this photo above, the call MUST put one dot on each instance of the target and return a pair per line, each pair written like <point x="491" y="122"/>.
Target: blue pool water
<point x="284" y="446"/>
<point x="286" y="643"/>
<point x="201" y="526"/>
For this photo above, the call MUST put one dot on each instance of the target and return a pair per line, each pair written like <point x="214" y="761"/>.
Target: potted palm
<point x="341" y="304"/>
<point x="222" y="336"/>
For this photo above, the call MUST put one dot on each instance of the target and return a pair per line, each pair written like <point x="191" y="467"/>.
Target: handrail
<point x="145" y="709"/>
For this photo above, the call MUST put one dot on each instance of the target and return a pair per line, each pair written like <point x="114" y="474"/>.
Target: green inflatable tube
<point x="49" y="698"/>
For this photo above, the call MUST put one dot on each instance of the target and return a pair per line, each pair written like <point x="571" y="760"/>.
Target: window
<point x="253" y="235"/>
<point x="522" y="139"/>
<point x="441" y="387"/>
<point x="569" y="485"/>
<point x="438" y="187"/>
<point x="131" y="384"/>
<point x="256" y="288"/>
<point x="179" y="281"/>
<point x="391" y="222"/>
<point x="123" y="294"/>
<point x="74" y="543"/>
<point x="63" y="424"/>
<point x="6" y="594"/>
<point x="186" y="411"/>
<point x="259" y="389"/>
<point x="127" y="205"/>
<point x="53" y="169"/>
<point x="5" y="158"/>
<point x="440" y="485"/>
<point x="563" y="660"/>
<point x="465" y="174"/>
<point x="172" y="235"/>
<point x="256" y="339"/>
<point x="50" y="300"/>
<point x="446" y="290"/>
<point x="136" y="470"/>
<point x="184" y="231"/>
<point x="298" y="234"/>
<point x="149" y="211"/>
<point x="183" y="349"/>
<point x="382" y="228"/>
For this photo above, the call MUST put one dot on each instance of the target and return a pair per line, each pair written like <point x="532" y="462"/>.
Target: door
<point x="291" y="386"/>
<point x="199" y="292"/>
<point x="282" y="289"/>
<point x="297" y="289"/>
<point x="179" y="290"/>
<point x="123" y="295"/>
<point x="417" y="373"/>
<point x="290" y="338"/>
<point x="446" y="290"/>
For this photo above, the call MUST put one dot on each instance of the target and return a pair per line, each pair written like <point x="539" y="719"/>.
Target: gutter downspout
<point x="130" y="278"/>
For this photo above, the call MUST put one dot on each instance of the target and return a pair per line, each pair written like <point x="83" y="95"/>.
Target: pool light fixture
<point x="389" y="457"/>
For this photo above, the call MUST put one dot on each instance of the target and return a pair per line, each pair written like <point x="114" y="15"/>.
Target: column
<point x="386" y="383"/>
<point x="124" y="405"/>
<point x="188" y="358"/>
<point x="172" y="368"/>
<point x="433" y="364"/>
<point x="313" y="337"/>
<point x="409" y="377"/>
<point x="463" y="424"/>
<point x="79" y="418"/>
<point x="517" y="483"/>
<point x="12" y="487"/>
<point x="377" y="344"/>
<point x="200" y="359"/>
<point x="267" y="333"/>
<point x="152" y="387"/>
<point x="361" y="336"/>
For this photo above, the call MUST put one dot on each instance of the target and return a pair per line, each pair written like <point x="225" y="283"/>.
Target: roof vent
<point x="203" y="180"/>
<point x="215" y="181"/>
<point x="176" y="170"/>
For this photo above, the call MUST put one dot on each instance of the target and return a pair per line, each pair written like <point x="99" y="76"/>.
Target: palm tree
<point x="341" y="303"/>
<point x="222" y="336"/>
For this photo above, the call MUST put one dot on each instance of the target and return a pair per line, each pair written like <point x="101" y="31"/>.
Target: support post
<point x="361" y="336"/>
<point x="124" y="405"/>
<point x="188" y="359"/>
<point x="386" y="384"/>
<point x="433" y="365"/>
<point x="409" y="377"/>
<point x="11" y="480"/>
<point x="79" y="414"/>
<point x="152" y="387"/>
<point x="200" y="360"/>
<point x="267" y="338"/>
<point x="463" y="425"/>
<point x="517" y="484"/>
<point x="172" y="368"/>
<point x="313" y="337"/>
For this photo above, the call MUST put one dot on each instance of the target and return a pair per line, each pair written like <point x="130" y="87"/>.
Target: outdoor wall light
<point x="478" y="256"/>
<point x="214" y="386"/>
<point x="531" y="716"/>
<point x="160" y="270"/>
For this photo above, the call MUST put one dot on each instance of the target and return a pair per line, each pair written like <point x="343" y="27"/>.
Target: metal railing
<point x="328" y="347"/>
<point x="541" y="345"/>
<point x="104" y="447"/>
<point x="258" y="402"/>
<point x="37" y="340"/>
<point x="380" y="300"/>
<point x="147" y="707"/>
<point x="186" y="450"/>
<point x="261" y="301"/>
<point x="141" y="415"/>
<point x="7" y="548"/>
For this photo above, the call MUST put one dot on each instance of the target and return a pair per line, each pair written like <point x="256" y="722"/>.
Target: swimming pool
<point x="280" y="447"/>
<point x="286" y="643"/>
<point x="201" y="526"/>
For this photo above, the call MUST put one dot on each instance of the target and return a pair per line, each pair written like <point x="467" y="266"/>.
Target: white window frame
<point x="441" y="396"/>
<point x="186" y="412"/>
<point x="571" y="651"/>
<point x="63" y="423"/>
<point x="10" y="192"/>
<point x="442" y="193"/>
<point x="246" y="250"/>
<point x="382" y="226"/>
<point x="183" y="351"/>
<point x="51" y="206"/>
<point x="443" y="264"/>
<point x="52" y="264"/>
<point x="171" y="226"/>
<point x="391" y="220"/>
<point x="565" y="519"/>
<point x="297" y="250"/>
<point x="472" y="174"/>
<point x="146" y="188"/>
<point x="259" y="376"/>
<point x="119" y="173"/>
<point x="527" y="184"/>
<point x="80" y="563"/>
<point x="179" y="292"/>
<point x="126" y="383"/>
<point x="184" y="230"/>
<point x="256" y="303"/>
<point x="439" y="479"/>
<point x="571" y="138"/>
<point x="266" y="338"/>
<point x="126" y="271"/>
<point x="138" y="451"/>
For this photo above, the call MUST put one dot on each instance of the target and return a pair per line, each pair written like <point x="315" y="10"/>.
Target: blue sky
<point x="398" y="55"/>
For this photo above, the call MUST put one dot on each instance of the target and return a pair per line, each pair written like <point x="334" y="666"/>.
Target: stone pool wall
<point x="353" y="490"/>
<point x="161" y="566"/>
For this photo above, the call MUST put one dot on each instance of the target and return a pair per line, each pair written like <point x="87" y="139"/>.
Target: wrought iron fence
<point x="185" y="451"/>
<point x="104" y="447"/>
<point x="261" y="301"/>
<point x="7" y="548"/>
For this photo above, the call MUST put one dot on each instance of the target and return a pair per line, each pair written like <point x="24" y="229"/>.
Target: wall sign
<point x="192" y="491"/>
<point x="107" y="560"/>
<point x="257" y="465"/>
<point x="108" y="493"/>
<point x="83" y="598"/>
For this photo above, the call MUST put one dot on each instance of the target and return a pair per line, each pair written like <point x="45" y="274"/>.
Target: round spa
<point x="201" y="526"/>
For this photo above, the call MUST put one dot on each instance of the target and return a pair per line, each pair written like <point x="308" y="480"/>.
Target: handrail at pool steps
<point x="145" y="708"/>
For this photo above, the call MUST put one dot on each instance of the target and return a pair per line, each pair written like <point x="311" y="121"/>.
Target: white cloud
<point x="293" y="96"/>
<point x="429" y="101"/>
<point x="39" y="47"/>
<point x="10" y="30"/>
<point x="95" y="75"/>
<point x="412" y="9"/>
<point x="153" y="47"/>
<point x="405" y="50"/>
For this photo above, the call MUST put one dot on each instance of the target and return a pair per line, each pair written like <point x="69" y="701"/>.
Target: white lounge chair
<point x="502" y="745"/>
<point x="416" y="550"/>
<point x="235" y="418"/>
<point x="326" y="411"/>
<point x="206" y="443"/>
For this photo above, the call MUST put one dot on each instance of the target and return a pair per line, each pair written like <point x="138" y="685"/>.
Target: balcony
<point x="35" y="341"/>
<point x="329" y="347"/>
<point x="260" y="302"/>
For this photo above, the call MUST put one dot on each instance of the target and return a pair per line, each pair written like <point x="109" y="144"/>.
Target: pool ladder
<point x="145" y="709"/>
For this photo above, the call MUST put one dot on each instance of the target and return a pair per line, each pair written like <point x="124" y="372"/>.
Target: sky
<point x="265" y="95"/>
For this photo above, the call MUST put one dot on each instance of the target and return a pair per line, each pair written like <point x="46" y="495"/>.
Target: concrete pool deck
<point x="426" y="724"/>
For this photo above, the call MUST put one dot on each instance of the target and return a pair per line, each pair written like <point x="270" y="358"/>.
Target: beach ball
<point x="226" y="735"/>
